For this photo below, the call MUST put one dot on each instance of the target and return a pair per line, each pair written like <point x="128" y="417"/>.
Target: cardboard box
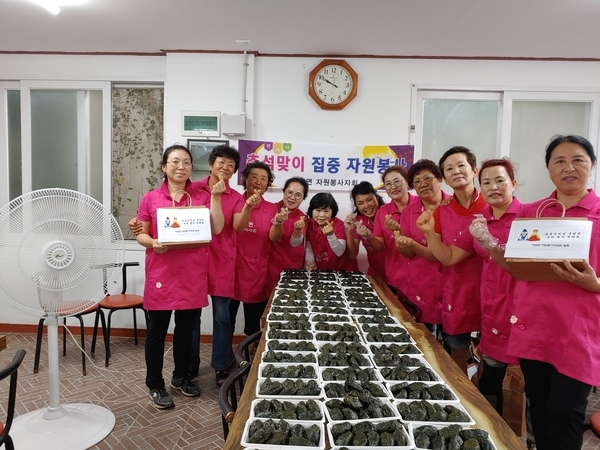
<point x="514" y="400"/>
<point x="184" y="227"/>
<point x="538" y="269"/>
<point x="533" y="244"/>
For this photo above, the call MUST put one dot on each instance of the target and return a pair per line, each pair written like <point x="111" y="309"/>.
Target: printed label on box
<point x="183" y="225"/>
<point x="549" y="239"/>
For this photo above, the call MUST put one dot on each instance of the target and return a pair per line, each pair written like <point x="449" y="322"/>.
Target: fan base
<point x="81" y="427"/>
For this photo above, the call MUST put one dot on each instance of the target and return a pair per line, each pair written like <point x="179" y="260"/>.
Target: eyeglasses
<point x="395" y="183"/>
<point x="423" y="181"/>
<point x="177" y="163"/>
<point x="296" y="195"/>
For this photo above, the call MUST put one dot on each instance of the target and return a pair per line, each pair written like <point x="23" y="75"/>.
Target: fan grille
<point x="58" y="249"/>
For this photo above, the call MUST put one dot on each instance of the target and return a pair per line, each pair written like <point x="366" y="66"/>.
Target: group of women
<point x="443" y="253"/>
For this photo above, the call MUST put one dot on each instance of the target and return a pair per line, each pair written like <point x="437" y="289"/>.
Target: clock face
<point x="333" y="84"/>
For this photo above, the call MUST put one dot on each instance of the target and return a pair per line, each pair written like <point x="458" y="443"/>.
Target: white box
<point x="188" y="226"/>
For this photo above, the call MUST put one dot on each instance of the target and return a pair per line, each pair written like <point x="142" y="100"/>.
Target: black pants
<point x="490" y="384"/>
<point x="557" y="406"/>
<point x="157" y="326"/>
<point x="252" y="315"/>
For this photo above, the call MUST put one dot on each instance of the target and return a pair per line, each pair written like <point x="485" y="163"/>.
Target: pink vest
<point x="253" y="247"/>
<point x="325" y="259"/>
<point x="376" y="258"/>
<point x="461" y="312"/>
<point x="556" y="321"/>
<point x="396" y="265"/>
<point x="283" y="255"/>
<point x="222" y="248"/>
<point x="176" y="279"/>
<point x="497" y="287"/>
<point x="424" y="277"/>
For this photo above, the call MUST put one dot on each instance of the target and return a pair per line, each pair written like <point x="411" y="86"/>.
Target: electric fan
<point x="59" y="250"/>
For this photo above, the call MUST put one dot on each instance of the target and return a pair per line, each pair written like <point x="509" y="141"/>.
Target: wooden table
<point x="2" y="342"/>
<point x="478" y="407"/>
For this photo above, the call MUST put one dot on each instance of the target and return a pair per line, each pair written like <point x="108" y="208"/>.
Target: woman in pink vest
<point x="497" y="181"/>
<point x="461" y="312"/>
<point x="396" y="266"/>
<point x="283" y="255"/>
<point x="325" y="247"/>
<point x="253" y="225"/>
<point x="168" y="286"/>
<point x="424" y="273"/>
<point x="359" y="227"/>
<point x="555" y="328"/>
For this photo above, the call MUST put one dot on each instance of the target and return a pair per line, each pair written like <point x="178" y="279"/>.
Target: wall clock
<point x="333" y="84"/>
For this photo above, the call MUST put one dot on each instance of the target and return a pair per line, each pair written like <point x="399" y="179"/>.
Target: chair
<point x="38" y="344"/>
<point x="10" y="370"/>
<point x="118" y="302"/>
<point x="229" y="395"/>
<point x="243" y="352"/>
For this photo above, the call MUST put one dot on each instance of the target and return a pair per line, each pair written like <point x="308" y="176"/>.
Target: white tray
<point x="385" y="401"/>
<point x="391" y="328"/>
<point x="431" y="371"/>
<point x="329" y="425"/>
<point x="306" y="357"/>
<point x="245" y="436"/>
<point x="413" y="426"/>
<point x="356" y="345"/>
<point x="381" y="384"/>
<point x="319" y="403"/>
<point x="329" y="336"/>
<point x="388" y="319"/>
<point x="291" y="309"/>
<point x="341" y="326"/>
<point x="415" y="360"/>
<point x="269" y="335"/>
<point x="289" y="342"/>
<point x="378" y="347"/>
<point x="262" y="366"/>
<point x="330" y="318"/>
<point x="391" y="384"/>
<point x="261" y="381"/>
<point x="426" y="422"/>
<point x="378" y="376"/>
<point x="278" y="316"/>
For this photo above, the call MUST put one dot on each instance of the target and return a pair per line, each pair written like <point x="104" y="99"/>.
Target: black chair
<point x="229" y="396"/>
<point x="243" y="351"/>
<point x="38" y="343"/>
<point x="10" y="370"/>
<point x="118" y="302"/>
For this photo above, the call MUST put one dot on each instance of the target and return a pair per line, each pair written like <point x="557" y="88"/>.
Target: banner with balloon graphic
<point x="327" y="166"/>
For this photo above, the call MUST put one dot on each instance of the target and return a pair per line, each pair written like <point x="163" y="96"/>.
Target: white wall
<point x="279" y="107"/>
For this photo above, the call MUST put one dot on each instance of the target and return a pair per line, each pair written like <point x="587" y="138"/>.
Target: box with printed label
<point x="184" y="227"/>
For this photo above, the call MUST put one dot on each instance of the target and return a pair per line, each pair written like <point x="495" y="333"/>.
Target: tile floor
<point x="194" y="423"/>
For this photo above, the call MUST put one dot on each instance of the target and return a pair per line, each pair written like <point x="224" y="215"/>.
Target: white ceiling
<point x="401" y="28"/>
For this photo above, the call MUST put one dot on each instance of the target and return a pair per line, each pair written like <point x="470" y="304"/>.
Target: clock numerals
<point x="332" y="84"/>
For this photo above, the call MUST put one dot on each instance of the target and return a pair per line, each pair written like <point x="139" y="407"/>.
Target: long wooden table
<point x="478" y="407"/>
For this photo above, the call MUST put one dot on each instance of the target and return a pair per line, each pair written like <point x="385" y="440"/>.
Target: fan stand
<point x="61" y="427"/>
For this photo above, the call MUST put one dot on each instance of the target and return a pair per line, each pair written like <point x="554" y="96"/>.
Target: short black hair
<point x="171" y="149"/>
<point x="323" y="200"/>
<point x="421" y="165"/>
<point x="257" y="165"/>
<point x="558" y="139"/>
<point x="364" y="188"/>
<point x="224" y="151"/>
<point x="471" y="158"/>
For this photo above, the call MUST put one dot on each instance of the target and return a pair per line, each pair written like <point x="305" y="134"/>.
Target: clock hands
<point x="327" y="81"/>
